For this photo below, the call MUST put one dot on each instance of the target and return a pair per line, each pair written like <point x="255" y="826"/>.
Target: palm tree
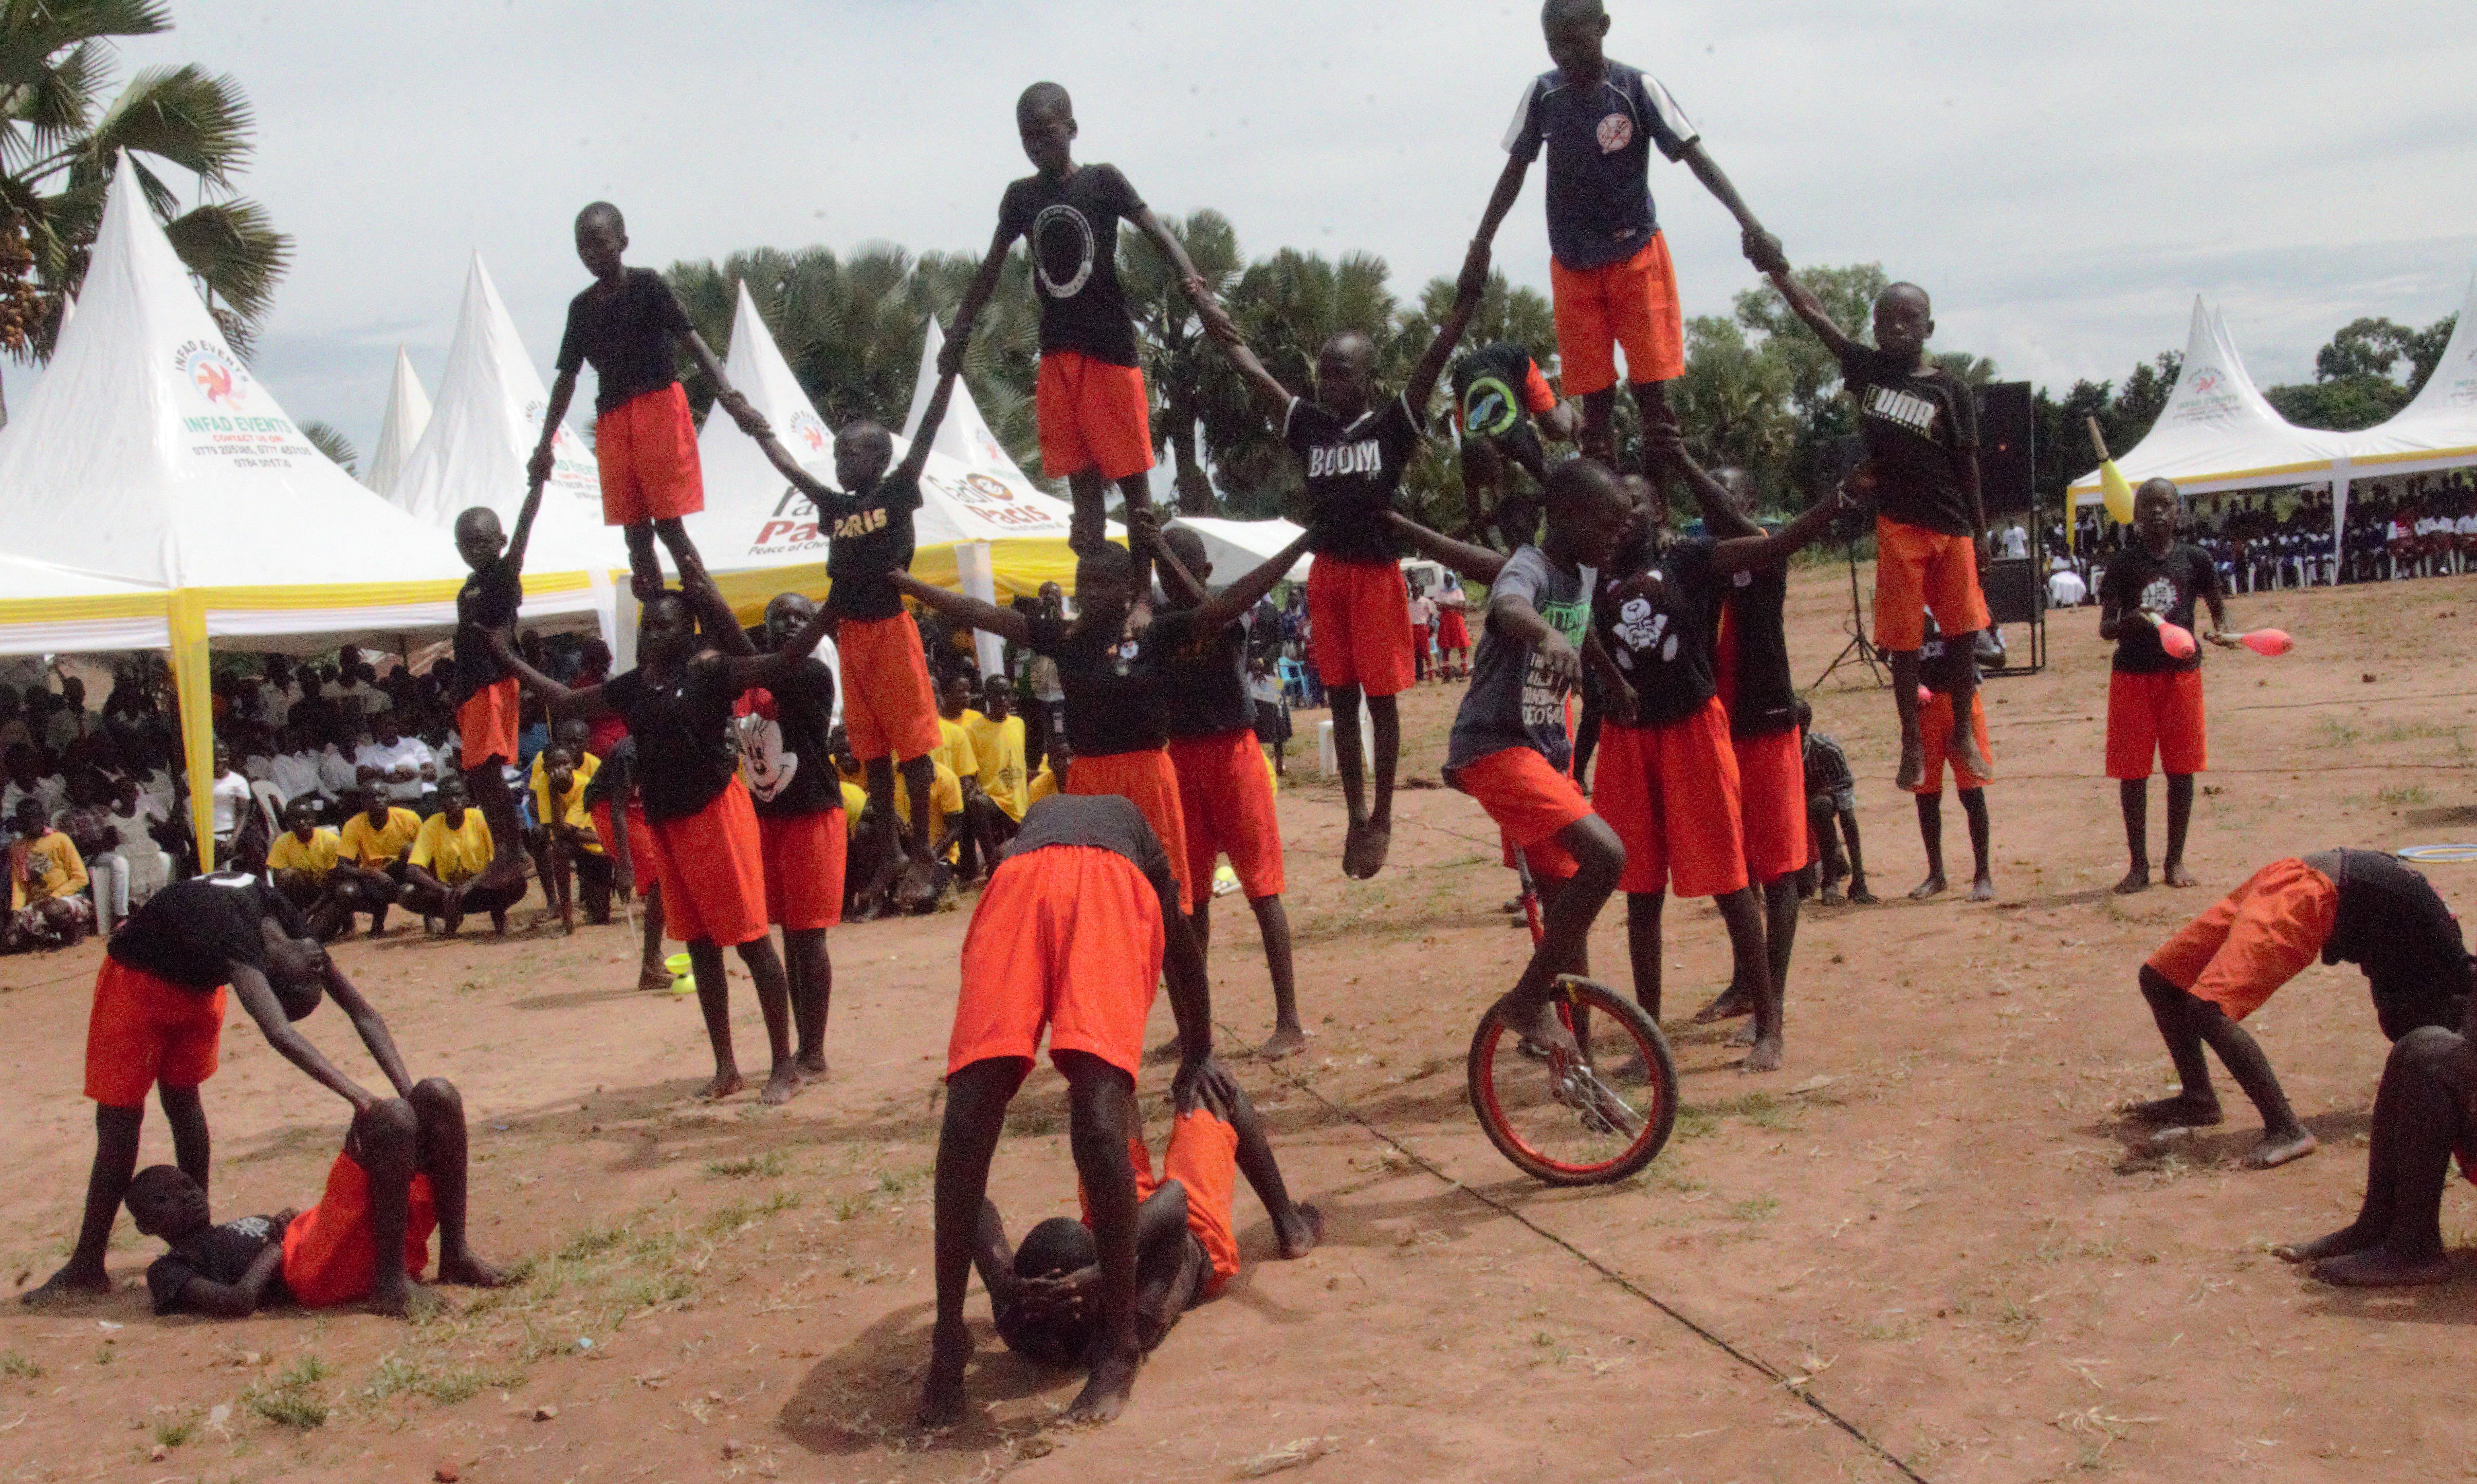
<point x="59" y="143"/>
<point x="337" y="448"/>
<point x="1184" y="367"/>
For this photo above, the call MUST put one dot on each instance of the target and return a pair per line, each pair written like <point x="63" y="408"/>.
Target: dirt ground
<point x="1930" y="1225"/>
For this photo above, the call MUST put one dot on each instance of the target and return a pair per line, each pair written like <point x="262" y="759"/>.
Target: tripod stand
<point x="1859" y="648"/>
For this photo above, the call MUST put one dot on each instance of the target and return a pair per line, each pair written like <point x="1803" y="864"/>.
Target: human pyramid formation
<point x="1701" y="786"/>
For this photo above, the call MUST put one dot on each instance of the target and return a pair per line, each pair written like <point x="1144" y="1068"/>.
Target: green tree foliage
<point x="337" y="448"/>
<point x="2355" y="377"/>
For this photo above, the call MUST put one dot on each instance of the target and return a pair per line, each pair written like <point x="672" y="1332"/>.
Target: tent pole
<point x="193" y="687"/>
<point x="977" y="574"/>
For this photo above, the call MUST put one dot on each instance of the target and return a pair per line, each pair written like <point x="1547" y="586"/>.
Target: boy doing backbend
<point x="2354" y="906"/>
<point x="2424" y="1113"/>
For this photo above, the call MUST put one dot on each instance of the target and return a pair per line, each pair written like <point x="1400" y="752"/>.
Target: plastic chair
<point x="1293" y="677"/>
<point x="270" y="802"/>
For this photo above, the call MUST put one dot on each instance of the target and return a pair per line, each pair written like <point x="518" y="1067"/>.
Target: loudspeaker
<point x="2014" y="593"/>
<point x="2007" y="459"/>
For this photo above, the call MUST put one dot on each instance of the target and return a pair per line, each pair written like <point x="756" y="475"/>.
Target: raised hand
<point x="950" y="356"/>
<point x="1764" y="251"/>
<point x="537" y="467"/>
<point x="1217" y="324"/>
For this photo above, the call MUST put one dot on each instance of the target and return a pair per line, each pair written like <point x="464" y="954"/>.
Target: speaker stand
<point x="1859" y="647"/>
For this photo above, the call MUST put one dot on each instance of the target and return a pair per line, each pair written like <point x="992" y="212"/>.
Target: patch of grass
<point x="1755" y="1210"/>
<point x="18" y="1367"/>
<point x="768" y="1165"/>
<point x="171" y="1434"/>
<point x="2332" y="731"/>
<point x="2402" y="798"/>
<point x="290" y="1398"/>
<point x="743" y="1213"/>
<point x="395" y="1376"/>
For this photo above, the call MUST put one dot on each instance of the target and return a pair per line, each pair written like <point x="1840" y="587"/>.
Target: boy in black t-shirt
<point x="2154" y="699"/>
<point x="1353" y="451"/>
<point x="1940" y="670"/>
<point x="483" y="690"/>
<point x="1921" y="432"/>
<point x="890" y="709"/>
<point x="1095" y="418"/>
<point x="630" y="327"/>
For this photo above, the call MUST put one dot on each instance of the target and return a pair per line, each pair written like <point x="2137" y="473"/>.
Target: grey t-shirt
<point x="1515" y="700"/>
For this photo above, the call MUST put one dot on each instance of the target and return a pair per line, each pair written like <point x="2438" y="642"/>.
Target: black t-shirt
<point x="1114" y="695"/>
<point x="1204" y="680"/>
<point x="1921" y="431"/>
<point x="1944" y="668"/>
<point x="1491" y="386"/>
<point x="1071" y="228"/>
<point x="2392" y="925"/>
<point x="2171" y="585"/>
<point x="682" y="731"/>
<point x="1756" y="684"/>
<point x="1104" y="822"/>
<point x="220" y="1254"/>
<point x="488" y="600"/>
<point x="189" y="932"/>
<point x="630" y="337"/>
<point x="868" y="537"/>
<point x="787" y="758"/>
<point x="1661" y="639"/>
<point x="1353" y="472"/>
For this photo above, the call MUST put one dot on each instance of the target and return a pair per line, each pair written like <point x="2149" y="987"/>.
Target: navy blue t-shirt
<point x="1599" y="141"/>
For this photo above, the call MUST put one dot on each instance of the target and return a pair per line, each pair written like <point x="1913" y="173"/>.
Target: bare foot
<point x="394" y="1300"/>
<point x="1861" y="896"/>
<point x="2345" y="1241"/>
<point x="1729" y="1006"/>
<point x="2174" y="873"/>
<point x="1299" y="1235"/>
<point x="1745" y="1035"/>
<point x="1765" y="1056"/>
<point x="70" y="1282"/>
<point x="1932" y="886"/>
<point x="1914" y="764"/>
<point x="1364" y="849"/>
<point x="781" y="1087"/>
<point x="723" y="1085"/>
<point x="470" y="1272"/>
<point x="1831" y="896"/>
<point x="2276" y="1149"/>
<point x="812" y="1066"/>
<point x="1287" y="1041"/>
<point x="1983" y="889"/>
<point x="2177" y="1112"/>
<point x="2379" y="1268"/>
<point x="1539" y="1028"/>
<point x="2136" y="879"/>
<point x="1104" y="1396"/>
<point x="941" y="1393"/>
<point x="655" y="980"/>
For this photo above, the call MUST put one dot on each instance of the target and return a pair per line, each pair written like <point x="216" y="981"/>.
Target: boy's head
<point x="559" y="768"/>
<point x="601" y="237"/>
<point x="1059" y="1246"/>
<point x="1904" y="320"/>
<point x="29" y="819"/>
<point x="1588" y="510"/>
<point x="667" y="632"/>
<point x="786" y="616"/>
<point x="478" y="540"/>
<point x="1343" y="369"/>
<point x="165" y="1202"/>
<point x="997" y="698"/>
<point x="1805" y="715"/>
<point x="453" y="798"/>
<point x="1053" y="599"/>
<point x="573" y="732"/>
<point x="2154" y="510"/>
<point x="863" y="450"/>
<point x="1188" y="548"/>
<point x="954" y="697"/>
<point x="1575" y="31"/>
<point x="1044" y="116"/>
<point x="301" y="819"/>
<point x="296" y="969"/>
<point x="374" y="799"/>
<point x="593" y="657"/>
<point x="223" y="757"/>
<point x="1104" y="585"/>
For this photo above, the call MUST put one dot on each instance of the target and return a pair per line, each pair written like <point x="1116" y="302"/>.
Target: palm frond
<point x="33" y="31"/>
<point x="337" y="448"/>
<point x="238" y="256"/>
<point x="196" y="120"/>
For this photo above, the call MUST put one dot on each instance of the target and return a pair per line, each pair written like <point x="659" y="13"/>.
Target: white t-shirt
<point x="232" y="798"/>
<point x="408" y="753"/>
<point x="2016" y="543"/>
<point x="335" y="773"/>
<point x="296" y="776"/>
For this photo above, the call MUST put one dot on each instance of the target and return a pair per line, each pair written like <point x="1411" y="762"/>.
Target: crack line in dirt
<point x="1792" y="1384"/>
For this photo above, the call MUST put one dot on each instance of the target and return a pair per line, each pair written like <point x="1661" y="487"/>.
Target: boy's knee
<point x="390" y="1127"/>
<point x="2425" y="1048"/>
<point x="437" y="1098"/>
<point x="1596" y="850"/>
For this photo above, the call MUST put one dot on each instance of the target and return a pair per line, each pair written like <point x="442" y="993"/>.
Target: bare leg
<point x="1741" y="911"/>
<point x="1982" y="884"/>
<point x="2180" y="817"/>
<point x="1858" y="892"/>
<point x="644" y="573"/>
<point x="920" y="777"/>
<point x="1931" y="835"/>
<point x="976" y="1105"/>
<point x="1350" y="751"/>
<point x="713" y="999"/>
<point x="2196" y="1104"/>
<point x="116" y="1162"/>
<point x="439" y="1109"/>
<point x="488" y="788"/>
<point x="774" y="1001"/>
<point x="650" y="970"/>
<point x="891" y="853"/>
<point x="2421" y="1115"/>
<point x="684" y="552"/>
<point x="1297" y="1228"/>
<point x="812" y="987"/>
<point x="1824" y="826"/>
<point x="1100" y="1110"/>
<point x="1961" y="746"/>
<point x="1905" y="704"/>
<point x="1564" y="943"/>
<point x="1136" y="490"/>
<point x="1780" y="940"/>
<point x="2132" y="795"/>
<point x="2283" y="1137"/>
<point x="1274" y="923"/>
<point x="385" y="1141"/>
<point x="1377" y="838"/>
<point x="1643" y="948"/>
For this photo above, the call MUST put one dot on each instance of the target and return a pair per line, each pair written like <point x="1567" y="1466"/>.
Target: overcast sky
<point x="2064" y="177"/>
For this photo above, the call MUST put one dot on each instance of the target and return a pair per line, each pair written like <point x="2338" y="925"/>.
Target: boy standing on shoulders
<point x="2154" y="699"/>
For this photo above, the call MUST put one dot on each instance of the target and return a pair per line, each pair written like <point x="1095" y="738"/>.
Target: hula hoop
<point x="2438" y="854"/>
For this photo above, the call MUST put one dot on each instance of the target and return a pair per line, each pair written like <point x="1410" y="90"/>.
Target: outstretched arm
<point x="233" y="1300"/>
<point x="976" y="297"/>
<point x="1509" y="189"/>
<point x="372" y="1030"/>
<point x="1006" y="623"/>
<point x="524" y="532"/>
<point x="916" y="459"/>
<point x="742" y="665"/>
<point x="258" y="998"/>
<point x="1216" y="320"/>
<point x="1475" y="563"/>
<point x="562" y="392"/>
<point x="1804" y="306"/>
<point x="725" y="395"/>
<point x="1244" y="594"/>
<point x="1762" y="248"/>
<point x="563" y="700"/>
<point x="1741" y="554"/>
<point x="1270" y="394"/>
<point x="1472" y="284"/>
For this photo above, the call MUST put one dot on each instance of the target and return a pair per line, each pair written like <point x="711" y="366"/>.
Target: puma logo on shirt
<point x="1906" y="408"/>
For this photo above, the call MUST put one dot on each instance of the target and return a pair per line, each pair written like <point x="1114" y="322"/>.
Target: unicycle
<point x="1569" y="1119"/>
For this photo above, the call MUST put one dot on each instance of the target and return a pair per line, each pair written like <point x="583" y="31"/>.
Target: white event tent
<point x="1237" y="547"/>
<point x="152" y="469"/>
<point x="407" y="414"/>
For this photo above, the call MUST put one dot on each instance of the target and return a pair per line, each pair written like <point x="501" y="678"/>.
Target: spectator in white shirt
<point x="296" y="770"/>
<point x="2017" y="542"/>
<point x="68" y="723"/>
<point x="2066" y="589"/>
<point x="335" y="776"/>
<point x="407" y="763"/>
<point x="233" y="801"/>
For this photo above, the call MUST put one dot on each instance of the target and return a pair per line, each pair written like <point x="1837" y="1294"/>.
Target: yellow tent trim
<point x="55" y="610"/>
<point x="2360" y="461"/>
<point x="192" y="685"/>
<point x="2321" y="465"/>
<point x="365" y="595"/>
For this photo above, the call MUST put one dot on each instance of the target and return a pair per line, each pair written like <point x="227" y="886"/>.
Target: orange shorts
<point x="1147" y="781"/>
<point x="804" y="856"/>
<point x="486" y="724"/>
<point x="722" y="901"/>
<point x="1531" y="801"/>
<point x="890" y="709"/>
<point x="1771" y="804"/>
<point x="1361" y="611"/>
<point x="143" y="1030"/>
<point x="1453" y="631"/>
<point x="647" y="448"/>
<point x="2160" y="714"/>
<point x="1935" y="724"/>
<point x="1225" y="805"/>
<point x="644" y="851"/>
<point x="1671" y="792"/>
<point x="1918" y="570"/>
<point x="2257" y="938"/>
<point x="1631" y="303"/>
<point x="1093" y="415"/>
<point x="1203" y="1157"/>
<point x="330" y="1254"/>
<point x="1070" y="937"/>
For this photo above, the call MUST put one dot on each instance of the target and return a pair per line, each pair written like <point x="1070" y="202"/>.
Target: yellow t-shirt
<point x="54" y="869"/>
<point x="954" y="749"/>
<point x="1044" y="784"/>
<point x="453" y="856"/>
<point x="572" y="812"/>
<point x="1000" y="746"/>
<point x="377" y="848"/>
<point x="945" y="796"/>
<point x="314" y="858"/>
<point x="854" y="804"/>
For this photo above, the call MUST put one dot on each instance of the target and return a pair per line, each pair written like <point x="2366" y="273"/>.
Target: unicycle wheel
<point x="1576" y="1121"/>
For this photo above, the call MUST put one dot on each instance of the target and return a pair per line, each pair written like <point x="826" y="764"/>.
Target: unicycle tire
<point x="1586" y="1123"/>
